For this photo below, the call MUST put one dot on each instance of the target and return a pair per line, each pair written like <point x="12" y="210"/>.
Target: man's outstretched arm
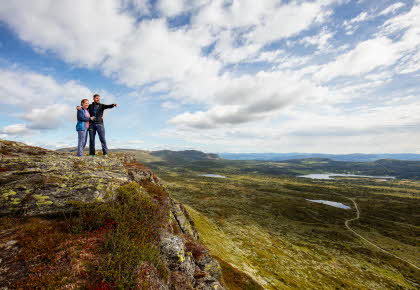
<point x="110" y="106"/>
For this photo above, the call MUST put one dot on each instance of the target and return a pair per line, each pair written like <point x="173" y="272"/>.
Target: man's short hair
<point x="95" y="95"/>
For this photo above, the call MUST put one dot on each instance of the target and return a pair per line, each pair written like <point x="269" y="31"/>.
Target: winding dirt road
<point x="366" y="240"/>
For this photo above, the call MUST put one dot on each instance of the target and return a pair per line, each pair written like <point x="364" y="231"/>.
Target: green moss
<point x="234" y="279"/>
<point x="39" y="197"/>
<point x="15" y="201"/>
<point x="8" y="193"/>
<point x="181" y="257"/>
<point x="8" y="199"/>
<point x="221" y="244"/>
<point x="99" y="199"/>
<point x="42" y="200"/>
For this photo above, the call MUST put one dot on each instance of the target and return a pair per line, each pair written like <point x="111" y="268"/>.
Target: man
<point x="96" y="110"/>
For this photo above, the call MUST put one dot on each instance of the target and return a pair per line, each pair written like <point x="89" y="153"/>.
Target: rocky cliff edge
<point x="101" y="222"/>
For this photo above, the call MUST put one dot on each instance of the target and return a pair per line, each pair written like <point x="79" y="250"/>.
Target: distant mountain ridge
<point x="185" y="155"/>
<point x="354" y="157"/>
<point x="169" y="155"/>
<point x="195" y="155"/>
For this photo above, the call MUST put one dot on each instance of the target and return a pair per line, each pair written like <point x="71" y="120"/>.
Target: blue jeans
<point x="93" y="128"/>
<point x="81" y="143"/>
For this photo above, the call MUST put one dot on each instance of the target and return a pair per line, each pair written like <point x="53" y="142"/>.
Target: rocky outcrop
<point x="35" y="182"/>
<point x="183" y="219"/>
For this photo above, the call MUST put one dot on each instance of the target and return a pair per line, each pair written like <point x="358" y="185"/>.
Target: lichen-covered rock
<point x="208" y="283"/>
<point x="183" y="219"/>
<point x="209" y="265"/>
<point x="36" y="181"/>
<point x="198" y="271"/>
<point x="178" y="259"/>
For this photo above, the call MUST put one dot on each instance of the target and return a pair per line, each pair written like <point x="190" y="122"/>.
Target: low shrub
<point x="132" y="221"/>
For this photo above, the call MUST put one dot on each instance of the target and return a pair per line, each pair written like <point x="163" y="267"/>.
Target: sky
<point x="325" y="76"/>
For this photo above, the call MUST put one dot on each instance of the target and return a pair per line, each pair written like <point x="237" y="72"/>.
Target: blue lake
<point x="331" y="203"/>
<point x="213" y="175"/>
<point x="331" y="176"/>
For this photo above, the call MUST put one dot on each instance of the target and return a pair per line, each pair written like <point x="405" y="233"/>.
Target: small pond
<point x="213" y="175"/>
<point x="328" y="202"/>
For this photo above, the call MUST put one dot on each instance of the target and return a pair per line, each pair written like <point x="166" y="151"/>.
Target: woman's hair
<point x="84" y="100"/>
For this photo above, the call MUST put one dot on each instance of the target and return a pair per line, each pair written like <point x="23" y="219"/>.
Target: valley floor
<point x="264" y="226"/>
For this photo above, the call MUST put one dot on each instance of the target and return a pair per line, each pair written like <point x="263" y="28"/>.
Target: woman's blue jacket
<point x="81" y="119"/>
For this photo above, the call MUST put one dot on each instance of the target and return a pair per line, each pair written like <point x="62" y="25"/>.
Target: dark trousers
<point x="93" y="128"/>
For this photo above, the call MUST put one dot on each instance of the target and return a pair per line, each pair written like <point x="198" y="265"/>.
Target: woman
<point x="83" y="118"/>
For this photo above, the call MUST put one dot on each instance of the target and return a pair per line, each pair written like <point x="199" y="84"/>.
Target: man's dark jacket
<point x="99" y="113"/>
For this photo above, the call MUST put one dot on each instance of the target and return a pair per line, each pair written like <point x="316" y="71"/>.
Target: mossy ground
<point x="100" y="247"/>
<point x="263" y="226"/>
<point x="235" y="279"/>
<point x="135" y="218"/>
